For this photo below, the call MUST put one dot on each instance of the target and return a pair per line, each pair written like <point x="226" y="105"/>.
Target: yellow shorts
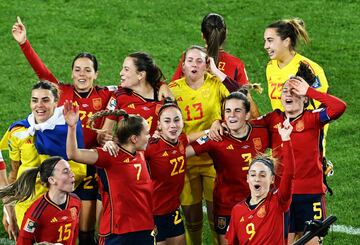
<point x="199" y="184"/>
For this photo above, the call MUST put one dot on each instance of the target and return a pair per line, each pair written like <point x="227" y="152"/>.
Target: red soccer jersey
<point x="231" y="158"/>
<point x="99" y="98"/>
<point x="306" y="140"/>
<point x="264" y="224"/>
<point x="228" y="64"/>
<point x="46" y="221"/>
<point x="167" y="163"/>
<point x="134" y="103"/>
<point x="125" y="193"/>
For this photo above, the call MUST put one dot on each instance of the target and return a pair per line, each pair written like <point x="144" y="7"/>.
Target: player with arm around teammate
<point x="260" y="218"/>
<point x="54" y="217"/>
<point x="125" y="182"/>
<point x="232" y="157"/>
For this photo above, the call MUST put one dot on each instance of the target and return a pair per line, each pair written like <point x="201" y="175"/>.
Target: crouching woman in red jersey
<point x="54" y="217"/>
<point x="125" y="184"/>
<point x="260" y="218"/>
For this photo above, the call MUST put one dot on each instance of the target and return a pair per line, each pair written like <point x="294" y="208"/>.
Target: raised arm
<point x="71" y="114"/>
<point x="334" y="106"/>
<point x="286" y="183"/>
<point x="19" y="34"/>
<point x="230" y="84"/>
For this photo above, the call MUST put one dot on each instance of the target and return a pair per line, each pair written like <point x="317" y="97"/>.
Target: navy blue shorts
<point x="169" y="225"/>
<point x="221" y="224"/>
<point x="306" y="207"/>
<point x="88" y="188"/>
<point x="131" y="238"/>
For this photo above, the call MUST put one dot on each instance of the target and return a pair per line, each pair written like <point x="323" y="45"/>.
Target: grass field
<point x="110" y="29"/>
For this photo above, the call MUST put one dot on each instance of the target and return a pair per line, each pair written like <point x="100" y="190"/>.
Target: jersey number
<point x="247" y="159"/>
<point x="194" y="112"/>
<point x="149" y="121"/>
<point x="177" y="162"/>
<point x="221" y="66"/>
<point x="138" y="167"/>
<point x="177" y="219"/>
<point x="317" y="210"/>
<point x="250" y="230"/>
<point x="276" y="88"/>
<point x="64" y="232"/>
<point x="83" y="115"/>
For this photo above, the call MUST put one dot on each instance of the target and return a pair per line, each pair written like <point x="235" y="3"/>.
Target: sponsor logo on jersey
<point x="262" y="212"/>
<point x="53" y="220"/>
<point x="131" y="106"/>
<point x="84" y="105"/>
<point x="97" y="103"/>
<point x="127" y="160"/>
<point x="245" y="147"/>
<point x="179" y="99"/>
<point x="145" y="108"/>
<point x="299" y="126"/>
<point x="30" y="226"/>
<point x="230" y="147"/>
<point x="242" y="219"/>
<point x="221" y="222"/>
<point x="165" y="154"/>
<point x="257" y="143"/>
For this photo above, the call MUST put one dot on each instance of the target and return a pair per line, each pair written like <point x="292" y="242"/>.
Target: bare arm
<point x="71" y="114"/>
<point x="190" y="151"/>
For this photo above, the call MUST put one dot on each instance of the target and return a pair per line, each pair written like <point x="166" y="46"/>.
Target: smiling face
<point x="171" y="124"/>
<point x="83" y="74"/>
<point x="259" y="178"/>
<point x="293" y="104"/>
<point x="129" y="75"/>
<point x="194" y="65"/>
<point x="42" y="104"/>
<point x="235" y="114"/>
<point x="276" y="48"/>
<point x="63" y="179"/>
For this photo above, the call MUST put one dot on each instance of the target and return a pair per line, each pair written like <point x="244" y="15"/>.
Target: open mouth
<point x="82" y="81"/>
<point x="257" y="187"/>
<point x="193" y="71"/>
<point x="288" y="101"/>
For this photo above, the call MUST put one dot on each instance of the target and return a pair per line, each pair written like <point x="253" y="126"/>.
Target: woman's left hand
<point x="111" y="147"/>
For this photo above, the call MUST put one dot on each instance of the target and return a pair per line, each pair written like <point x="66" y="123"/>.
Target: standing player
<point x="232" y="157"/>
<point x="213" y="29"/>
<point x="199" y="96"/>
<point x="40" y="135"/>
<point x="90" y="98"/>
<point x="260" y="218"/>
<point x="308" y="200"/>
<point x="54" y="217"/>
<point x="125" y="182"/>
<point x="166" y="159"/>
<point x="138" y="92"/>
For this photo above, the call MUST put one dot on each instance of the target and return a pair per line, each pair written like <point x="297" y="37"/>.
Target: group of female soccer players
<point x="204" y="146"/>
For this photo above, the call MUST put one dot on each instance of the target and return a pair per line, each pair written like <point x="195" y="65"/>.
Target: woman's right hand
<point x="19" y="31"/>
<point x="285" y="130"/>
<point x="111" y="147"/>
<point x="71" y="113"/>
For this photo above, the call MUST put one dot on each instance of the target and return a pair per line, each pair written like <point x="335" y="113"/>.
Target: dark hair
<point x="44" y="84"/>
<point x="129" y="124"/>
<point x="213" y="28"/>
<point x="266" y="160"/>
<point x="293" y="28"/>
<point x="239" y="96"/>
<point x="305" y="73"/>
<point x="24" y="186"/>
<point x="86" y="55"/>
<point x="145" y="62"/>
<point x="168" y="102"/>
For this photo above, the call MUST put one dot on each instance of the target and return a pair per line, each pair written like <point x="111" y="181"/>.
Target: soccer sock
<point x="214" y="234"/>
<point x="193" y="233"/>
<point x="87" y="238"/>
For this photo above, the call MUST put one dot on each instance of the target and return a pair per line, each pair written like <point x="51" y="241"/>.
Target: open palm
<point x="71" y="113"/>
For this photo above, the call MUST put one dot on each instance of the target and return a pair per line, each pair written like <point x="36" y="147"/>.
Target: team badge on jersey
<point x="97" y="104"/>
<point x="74" y="213"/>
<point x="206" y="93"/>
<point x="299" y="126"/>
<point x="257" y="143"/>
<point x="221" y="222"/>
<point x="262" y="212"/>
<point x="30" y="226"/>
<point x="111" y="104"/>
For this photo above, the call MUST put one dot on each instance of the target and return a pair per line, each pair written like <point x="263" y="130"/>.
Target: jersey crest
<point x="257" y="143"/>
<point x="30" y="226"/>
<point x="97" y="103"/>
<point x="299" y="126"/>
<point x="262" y="212"/>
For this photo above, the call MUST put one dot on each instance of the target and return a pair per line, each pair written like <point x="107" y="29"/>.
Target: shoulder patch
<point x="111" y="104"/>
<point x="30" y="225"/>
<point x="202" y="140"/>
<point x="153" y="140"/>
<point x="112" y="88"/>
<point x="316" y="83"/>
